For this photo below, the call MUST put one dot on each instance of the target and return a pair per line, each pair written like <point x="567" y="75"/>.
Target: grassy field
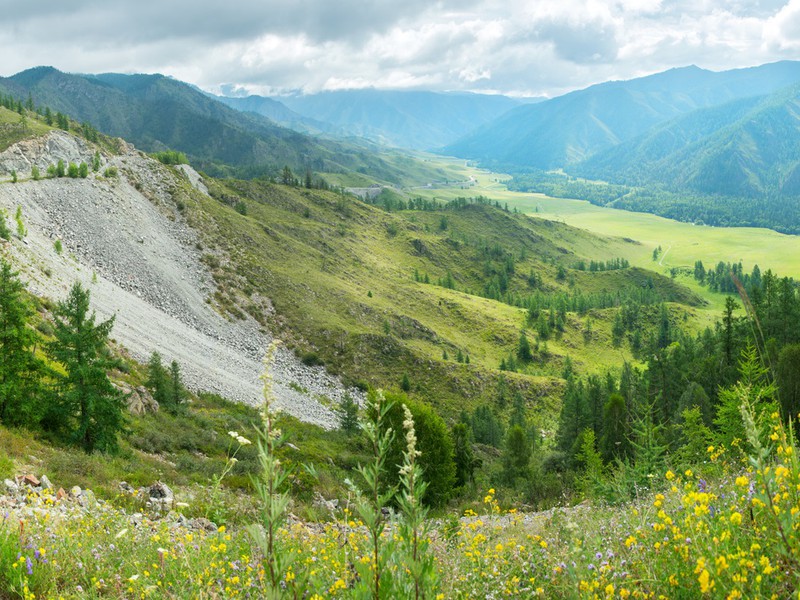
<point x="683" y="243"/>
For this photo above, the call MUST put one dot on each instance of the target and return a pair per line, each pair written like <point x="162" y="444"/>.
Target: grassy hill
<point x="346" y="281"/>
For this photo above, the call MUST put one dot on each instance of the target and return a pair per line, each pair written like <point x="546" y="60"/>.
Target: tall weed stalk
<point x="271" y="477"/>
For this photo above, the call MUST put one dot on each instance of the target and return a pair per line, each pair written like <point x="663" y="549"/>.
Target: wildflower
<point x="670" y="475"/>
<point x="742" y="481"/>
<point x="706" y="583"/>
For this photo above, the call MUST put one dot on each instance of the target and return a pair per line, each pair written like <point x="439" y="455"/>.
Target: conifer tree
<point x="87" y="405"/>
<point x="177" y="393"/>
<point x="19" y="368"/>
<point x="157" y="379"/>
<point x="348" y="415"/>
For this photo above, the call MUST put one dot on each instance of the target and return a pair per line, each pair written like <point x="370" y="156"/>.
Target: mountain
<point x="275" y="111"/>
<point x="569" y="129"/>
<point x="407" y="119"/>
<point x="156" y="112"/>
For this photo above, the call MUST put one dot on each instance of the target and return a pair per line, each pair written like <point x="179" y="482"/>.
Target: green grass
<point x="339" y="274"/>
<point x="13" y="131"/>
<point x="685" y="242"/>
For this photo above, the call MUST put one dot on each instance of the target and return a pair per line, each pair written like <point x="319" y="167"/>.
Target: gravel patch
<point x="124" y="239"/>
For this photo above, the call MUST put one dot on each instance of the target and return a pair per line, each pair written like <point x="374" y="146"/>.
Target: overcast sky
<point x="524" y="47"/>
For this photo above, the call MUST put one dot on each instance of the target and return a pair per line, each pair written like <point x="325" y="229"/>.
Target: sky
<point x="517" y="47"/>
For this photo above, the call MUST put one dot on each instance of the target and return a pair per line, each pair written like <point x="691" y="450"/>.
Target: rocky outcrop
<point x="44" y="151"/>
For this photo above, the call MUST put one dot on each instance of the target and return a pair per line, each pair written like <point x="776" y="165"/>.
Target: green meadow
<point x="682" y="243"/>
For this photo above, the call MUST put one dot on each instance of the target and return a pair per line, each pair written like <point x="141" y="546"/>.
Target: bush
<point x="311" y="359"/>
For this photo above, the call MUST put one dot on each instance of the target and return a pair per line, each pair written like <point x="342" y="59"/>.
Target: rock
<point x="75" y="492"/>
<point x="11" y="486"/>
<point x="126" y="487"/>
<point x="203" y="524"/>
<point x="45" y="483"/>
<point x="30" y="480"/>
<point x="329" y="505"/>
<point x="161" y="497"/>
<point x="61" y="494"/>
<point x="139" y="400"/>
<point x="87" y="499"/>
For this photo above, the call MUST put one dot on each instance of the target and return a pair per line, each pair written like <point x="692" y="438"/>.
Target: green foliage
<point x="524" y="352"/>
<point x="35" y="174"/>
<point x="5" y="232"/>
<point x="516" y="454"/>
<point x="86" y="406"/>
<point x="58" y="246"/>
<point x="787" y="378"/>
<point x="268" y="483"/>
<point x="60" y="169"/>
<point x="171" y="157"/>
<point x="83" y="170"/>
<point x="111" y="172"/>
<point x="21" y="230"/>
<point x="434" y="442"/>
<point x="96" y="161"/>
<point x="377" y="493"/>
<point x="20" y="369"/>
<point x="13" y="176"/>
<point x="753" y="385"/>
<point x="348" y="415"/>
<point x="463" y="455"/>
<point x="157" y="380"/>
<point x="73" y="171"/>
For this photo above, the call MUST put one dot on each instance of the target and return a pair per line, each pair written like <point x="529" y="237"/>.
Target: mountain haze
<point x="407" y="119"/>
<point x="571" y="128"/>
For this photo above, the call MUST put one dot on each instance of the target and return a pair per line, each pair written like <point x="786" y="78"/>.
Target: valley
<point x="688" y="242"/>
<point x="537" y="396"/>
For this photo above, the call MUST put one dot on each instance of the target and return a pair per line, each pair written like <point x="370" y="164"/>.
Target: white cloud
<point x="543" y="47"/>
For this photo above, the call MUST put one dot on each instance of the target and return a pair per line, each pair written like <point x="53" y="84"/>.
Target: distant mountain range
<point x="571" y="128"/>
<point x="156" y="113"/>
<point x="721" y="148"/>
<point x="404" y="119"/>
<point x="667" y="143"/>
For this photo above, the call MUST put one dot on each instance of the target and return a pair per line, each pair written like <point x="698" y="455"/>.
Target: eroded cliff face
<point x="125" y="239"/>
<point x="43" y="151"/>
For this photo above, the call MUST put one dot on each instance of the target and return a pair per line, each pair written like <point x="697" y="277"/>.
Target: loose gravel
<point x="123" y="238"/>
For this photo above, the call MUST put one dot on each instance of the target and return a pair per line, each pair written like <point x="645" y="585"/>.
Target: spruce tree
<point x="177" y="393"/>
<point x="88" y="407"/>
<point x="157" y="380"/>
<point x="348" y="415"/>
<point x="19" y="368"/>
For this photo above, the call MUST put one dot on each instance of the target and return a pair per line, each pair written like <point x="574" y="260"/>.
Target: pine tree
<point x="19" y="368"/>
<point x="177" y="393"/>
<point x="524" y="348"/>
<point x="88" y="406"/>
<point x="157" y="380"/>
<point x="516" y="454"/>
<point x="348" y="415"/>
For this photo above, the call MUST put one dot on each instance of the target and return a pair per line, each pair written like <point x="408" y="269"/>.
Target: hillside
<point x="571" y="128"/>
<point x="743" y="149"/>
<point x="339" y="280"/>
<point x="157" y="113"/>
<point x="126" y="239"/>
